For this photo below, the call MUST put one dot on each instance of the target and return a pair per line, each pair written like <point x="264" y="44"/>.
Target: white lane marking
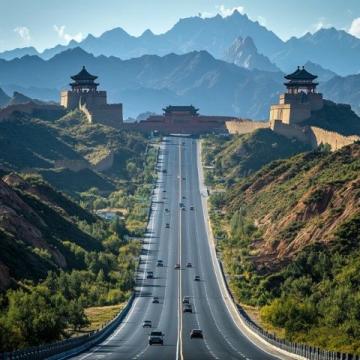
<point x="179" y="349"/>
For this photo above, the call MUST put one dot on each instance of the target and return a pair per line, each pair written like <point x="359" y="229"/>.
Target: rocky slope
<point x="35" y="220"/>
<point x="299" y="202"/>
<point x="244" y="53"/>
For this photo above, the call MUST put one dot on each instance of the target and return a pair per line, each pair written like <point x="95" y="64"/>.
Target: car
<point x="147" y="324"/>
<point x="167" y="225"/>
<point x="166" y="210"/>
<point x="177" y="267"/>
<point x="164" y="191"/>
<point x="187" y="308"/>
<point x="156" y="337"/>
<point x="191" y="208"/>
<point x="149" y="275"/>
<point x="181" y="205"/>
<point x="184" y="178"/>
<point x="197" y="278"/>
<point x="186" y="300"/>
<point x="189" y="265"/>
<point x="155" y="300"/>
<point x="164" y="171"/>
<point x="184" y="197"/>
<point x="196" y="333"/>
<point x="160" y="263"/>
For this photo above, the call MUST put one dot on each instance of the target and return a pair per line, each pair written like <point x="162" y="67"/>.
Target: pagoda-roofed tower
<point x="301" y="81"/>
<point x="92" y="102"/>
<point x="84" y="81"/>
<point x="298" y="102"/>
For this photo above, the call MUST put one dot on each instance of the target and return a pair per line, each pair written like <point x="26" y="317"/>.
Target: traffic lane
<point x="226" y="324"/>
<point x="123" y="339"/>
<point x="192" y="348"/>
<point x="169" y="300"/>
<point x="214" y="343"/>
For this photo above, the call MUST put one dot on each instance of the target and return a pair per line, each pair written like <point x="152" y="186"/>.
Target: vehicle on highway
<point x="184" y="197"/>
<point x="177" y="267"/>
<point x="187" y="308"/>
<point x="164" y="191"/>
<point x="186" y="300"/>
<point x="167" y="210"/>
<point x="164" y="171"/>
<point x="155" y="300"/>
<point x="181" y="205"/>
<point x="160" y="263"/>
<point x="191" y="208"/>
<point x="167" y="225"/>
<point x="156" y="337"/>
<point x="184" y="178"/>
<point x="196" y="333"/>
<point x="149" y="275"/>
<point x="197" y="278"/>
<point x="189" y="265"/>
<point x="147" y="324"/>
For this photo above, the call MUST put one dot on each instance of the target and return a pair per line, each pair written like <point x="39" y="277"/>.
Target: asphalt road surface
<point x="183" y="240"/>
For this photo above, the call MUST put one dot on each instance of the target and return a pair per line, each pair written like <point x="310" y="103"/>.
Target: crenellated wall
<point x="335" y="140"/>
<point x="244" y="126"/>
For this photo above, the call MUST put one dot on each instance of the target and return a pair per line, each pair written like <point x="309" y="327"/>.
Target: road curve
<point x="185" y="240"/>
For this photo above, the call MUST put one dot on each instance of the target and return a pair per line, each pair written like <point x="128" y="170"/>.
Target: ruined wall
<point x="105" y="163"/>
<point x="335" y="140"/>
<point x="244" y="126"/>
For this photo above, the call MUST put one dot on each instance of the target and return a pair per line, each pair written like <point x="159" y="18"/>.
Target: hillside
<point x="34" y="145"/>
<point x="34" y="224"/>
<point x="336" y="117"/>
<point x="243" y="155"/>
<point x="290" y="245"/>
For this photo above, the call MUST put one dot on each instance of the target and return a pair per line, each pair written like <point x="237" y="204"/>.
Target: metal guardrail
<point x="66" y="348"/>
<point x="306" y="351"/>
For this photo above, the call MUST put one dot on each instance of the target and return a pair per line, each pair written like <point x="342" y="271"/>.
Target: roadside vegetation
<point x="74" y="270"/>
<point x="289" y="239"/>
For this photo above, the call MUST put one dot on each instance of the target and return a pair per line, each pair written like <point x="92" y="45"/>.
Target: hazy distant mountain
<point x="343" y="90"/>
<point x="214" y="35"/>
<point x="150" y="82"/>
<point x="243" y="52"/>
<point x="323" y="74"/>
<point x="333" y="49"/>
<point x="18" y="53"/>
<point x="4" y="98"/>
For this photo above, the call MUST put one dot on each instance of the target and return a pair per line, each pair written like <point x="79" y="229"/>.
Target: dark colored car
<point x="191" y="208"/>
<point x="167" y="225"/>
<point x="177" y="267"/>
<point x="186" y="300"/>
<point x="155" y="300"/>
<point x="187" y="308"/>
<point x="189" y="265"/>
<point x="147" y="324"/>
<point x="156" y="337"/>
<point x="196" y="334"/>
<point x="160" y="263"/>
<point x="150" y="275"/>
<point x="197" y="278"/>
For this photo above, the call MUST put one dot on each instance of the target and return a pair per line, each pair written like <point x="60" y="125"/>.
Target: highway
<point x="183" y="240"/>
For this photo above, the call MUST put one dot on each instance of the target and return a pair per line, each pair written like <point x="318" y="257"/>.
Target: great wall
<point x="296" y="105"/>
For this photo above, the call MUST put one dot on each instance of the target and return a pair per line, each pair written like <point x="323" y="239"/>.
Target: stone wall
<point x="73" y="165"/>
<point x="244" y="126"/>
<point x="335" y="140"/>
<point x="105" y="163"/>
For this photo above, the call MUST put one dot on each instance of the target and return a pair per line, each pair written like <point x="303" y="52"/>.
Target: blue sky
<point x="45" y="23"/>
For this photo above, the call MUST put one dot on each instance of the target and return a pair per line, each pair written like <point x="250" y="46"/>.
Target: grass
<point x="100" y="315"/>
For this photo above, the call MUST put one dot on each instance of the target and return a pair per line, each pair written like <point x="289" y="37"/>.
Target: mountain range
<point x="150" y="82"/>
<point x="334" y="49"/>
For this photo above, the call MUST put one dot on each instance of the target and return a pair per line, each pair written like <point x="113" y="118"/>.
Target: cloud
<point x="60" y="30"/>
<point x="23" y="32"/>
<point x="355" y="28"/>
<point x="223" y="11"/>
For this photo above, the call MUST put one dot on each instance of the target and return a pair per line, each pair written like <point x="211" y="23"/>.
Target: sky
<point x="46" y="23"/>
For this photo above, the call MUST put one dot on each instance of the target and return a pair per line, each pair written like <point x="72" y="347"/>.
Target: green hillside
<point x="289" y="239"/>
